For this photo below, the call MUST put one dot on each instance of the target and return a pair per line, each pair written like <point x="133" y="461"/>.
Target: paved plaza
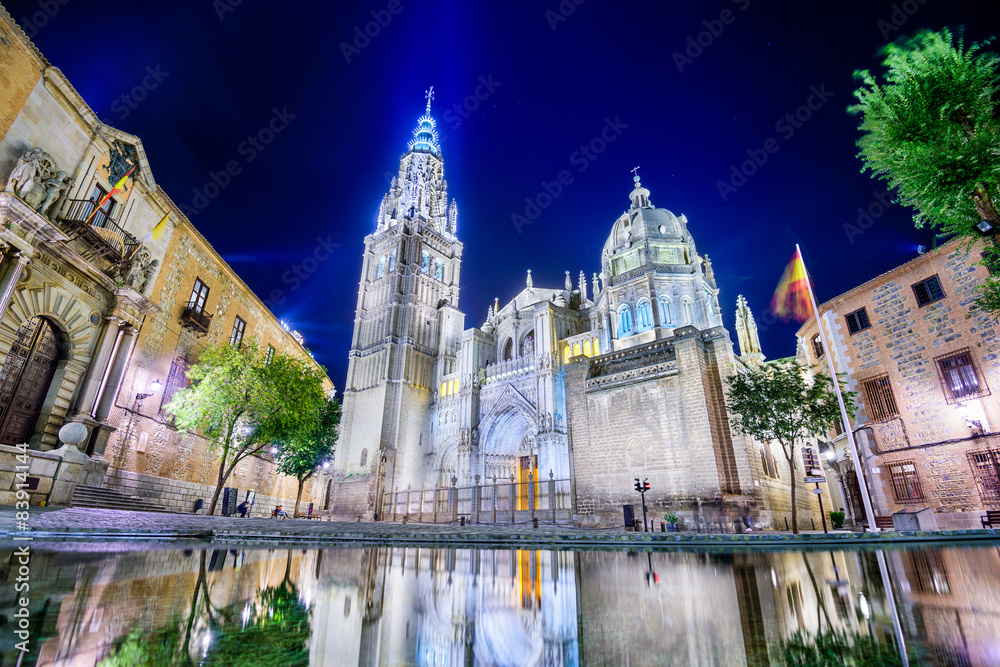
<point x="103" y="525"/>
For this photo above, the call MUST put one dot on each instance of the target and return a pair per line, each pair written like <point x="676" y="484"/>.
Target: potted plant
<point x="671" y="520"/>
<point x="837" y="519"/>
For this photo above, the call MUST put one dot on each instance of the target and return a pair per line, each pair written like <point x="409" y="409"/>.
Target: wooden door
<point x="25" y="378"/>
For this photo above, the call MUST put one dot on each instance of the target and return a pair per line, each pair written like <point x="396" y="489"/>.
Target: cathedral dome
<point x="644" y="222"/>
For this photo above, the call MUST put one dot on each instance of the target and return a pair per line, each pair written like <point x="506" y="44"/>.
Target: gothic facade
<point x="591" y="384"/>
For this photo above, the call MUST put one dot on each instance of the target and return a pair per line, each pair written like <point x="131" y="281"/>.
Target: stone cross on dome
<point x="429" y="94"/>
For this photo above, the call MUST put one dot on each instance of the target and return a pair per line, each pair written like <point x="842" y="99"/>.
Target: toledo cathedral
<point x="574" y="389"/>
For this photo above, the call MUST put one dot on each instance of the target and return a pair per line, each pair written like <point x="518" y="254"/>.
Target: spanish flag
<point x="119" y="186"/>
<point x="791" y="299"/>
<point x="156" y="232"/>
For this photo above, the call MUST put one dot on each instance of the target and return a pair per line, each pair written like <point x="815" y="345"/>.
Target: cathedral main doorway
<point x="25" y="378"/>
<point x="527" y="477"/>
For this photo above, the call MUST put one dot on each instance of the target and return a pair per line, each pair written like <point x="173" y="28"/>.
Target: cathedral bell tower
<point x="407" y="328"/>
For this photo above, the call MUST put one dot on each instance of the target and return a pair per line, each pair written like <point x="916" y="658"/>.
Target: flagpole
<point x="865" y="498"/>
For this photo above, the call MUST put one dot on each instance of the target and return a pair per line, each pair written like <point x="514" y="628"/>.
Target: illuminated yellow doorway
<point x="527" y="471"/>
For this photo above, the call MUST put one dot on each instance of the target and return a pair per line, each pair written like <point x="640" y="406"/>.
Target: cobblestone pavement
<point x="103" y="524"/>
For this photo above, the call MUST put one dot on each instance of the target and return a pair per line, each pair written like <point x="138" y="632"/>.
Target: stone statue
<point x="134" y="274"/>
<point x="22" y="178"/>
<point x="746" y="332"/>
<point x="148" y="271"/>
<point x="54" y="187"/>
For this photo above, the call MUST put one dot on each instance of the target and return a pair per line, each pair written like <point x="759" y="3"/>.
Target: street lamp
<point x="141" y="396"/>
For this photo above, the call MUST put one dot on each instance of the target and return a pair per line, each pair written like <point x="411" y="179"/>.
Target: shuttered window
<point x="858" y="321"/>
<point x="928" y="291"/>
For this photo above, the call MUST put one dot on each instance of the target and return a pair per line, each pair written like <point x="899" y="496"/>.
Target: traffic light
<point x="645" y="486"/>
<point x="638" y="485"/>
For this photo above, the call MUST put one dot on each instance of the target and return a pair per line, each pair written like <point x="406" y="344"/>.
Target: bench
<point x="991" y="517"/>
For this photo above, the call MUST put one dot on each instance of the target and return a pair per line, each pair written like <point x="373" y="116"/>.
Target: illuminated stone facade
<point x="591" y="384"/>
<point x="92" y="302"/>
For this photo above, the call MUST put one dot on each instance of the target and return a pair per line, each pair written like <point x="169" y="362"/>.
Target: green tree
<point x="303" y="453"/>
<point x="241" y="403"/>
<point x="930" y="129"/>
<point x="779" y="402"/>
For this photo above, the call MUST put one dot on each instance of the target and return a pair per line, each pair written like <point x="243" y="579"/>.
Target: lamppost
<point x="142" y="395"/>
<point x="642" y="487"/>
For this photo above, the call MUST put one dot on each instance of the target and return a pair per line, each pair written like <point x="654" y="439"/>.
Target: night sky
<point x="551" y="77"/>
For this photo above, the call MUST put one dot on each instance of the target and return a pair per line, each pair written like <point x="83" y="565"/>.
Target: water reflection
<point x="397" y="606"/>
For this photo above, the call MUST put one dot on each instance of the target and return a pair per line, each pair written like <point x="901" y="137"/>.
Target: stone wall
<point x="20" y="69"/>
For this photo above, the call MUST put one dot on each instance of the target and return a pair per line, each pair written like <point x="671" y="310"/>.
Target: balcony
<point x="102" y="232"/>
<point x="196" y="319"/>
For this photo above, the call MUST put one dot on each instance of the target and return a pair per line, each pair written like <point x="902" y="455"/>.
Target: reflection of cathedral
<point x="594" y="383"/>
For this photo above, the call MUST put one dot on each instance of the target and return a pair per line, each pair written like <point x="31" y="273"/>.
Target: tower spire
<point x="430" y="96"/>
<point x="425" y="136"/>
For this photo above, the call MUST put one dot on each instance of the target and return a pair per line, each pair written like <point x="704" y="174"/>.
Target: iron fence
<point x="496" y="501"/>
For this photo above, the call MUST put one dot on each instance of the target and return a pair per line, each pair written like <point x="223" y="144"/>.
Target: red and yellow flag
<point x="119" y="186"/>
<point x="791" y="299"/>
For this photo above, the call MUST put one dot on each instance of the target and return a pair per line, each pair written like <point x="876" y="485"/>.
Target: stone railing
<point x="507" y="370"/>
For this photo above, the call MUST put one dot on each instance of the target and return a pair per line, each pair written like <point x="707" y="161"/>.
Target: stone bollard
<point x="534" y="522"/>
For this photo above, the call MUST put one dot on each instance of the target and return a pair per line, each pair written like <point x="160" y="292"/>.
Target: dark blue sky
<point x="557" y="78"/>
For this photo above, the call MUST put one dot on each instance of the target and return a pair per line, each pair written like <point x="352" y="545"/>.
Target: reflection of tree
<point x="834" y="648"/>
<point x="272" y="631"/>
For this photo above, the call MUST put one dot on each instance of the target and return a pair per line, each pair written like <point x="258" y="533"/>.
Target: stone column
<point x="9" y="281"/>
<point x="97" y="373"/>
<point x="119" y="365"/>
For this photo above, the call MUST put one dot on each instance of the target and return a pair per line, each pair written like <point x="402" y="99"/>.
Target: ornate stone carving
<point x="22" y="177"/>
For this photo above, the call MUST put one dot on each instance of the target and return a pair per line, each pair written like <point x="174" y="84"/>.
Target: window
<point x="688" y="317"/>
<point x="597" y="349"/>
<point x="880" y="401"/>
<point x="959" y="377"/>
<point x="624" y="322"/>
<point x="439" y="270"/>
<point x="100" y="218"/>
<point x="588" y="350"/>
<point x="577" y="350"/>
<point x="269" y="354"/>
<point x="239" y="327"/>
<point x="858" y="321"/>
<point x="928" y="291"/>
<point x="392" y="260"/>
<point x="565" y="354"/>
<point x="644" y="314"/>
<point x="817" y="346"/>
<point x="364" y="457"/>
<point x="986" y="471"/>
<point x="425" y="261"/>
<point x="177" y="379"/>
<point x="905" y="484"/>
<point x="381" y="268"/>
<point x="666" y="312"/>
<point x="199" y="296"/>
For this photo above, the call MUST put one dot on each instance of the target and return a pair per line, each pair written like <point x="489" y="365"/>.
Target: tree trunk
<point x="218" y="487"/>
<point x="795" y="512"/>
<point x="298" y="498"/>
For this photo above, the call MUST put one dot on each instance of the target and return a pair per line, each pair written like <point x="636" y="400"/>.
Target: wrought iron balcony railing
<point x="196" y="319"/>
<point x="102" y="231"/>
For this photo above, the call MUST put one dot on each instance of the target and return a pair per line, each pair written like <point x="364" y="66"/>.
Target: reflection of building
<point x="593" y="383"/>
<point x="95" y="306"/>
<point x="924" y="361"/>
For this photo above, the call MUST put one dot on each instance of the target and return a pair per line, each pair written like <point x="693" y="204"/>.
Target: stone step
<point x="105" y="498"/>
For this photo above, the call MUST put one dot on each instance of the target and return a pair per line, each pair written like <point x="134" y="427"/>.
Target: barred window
<point x="858" y="321"/>
<point x="959" y="377"/>
<point x="986" y="471"/>
<point x="879" y="399"/>
<point x="269" y="354"/>
<point x="905" y="484"/>
<point x="928" y="291"/>
<point x="817" y="346"/>
<point x="176" y="380"/>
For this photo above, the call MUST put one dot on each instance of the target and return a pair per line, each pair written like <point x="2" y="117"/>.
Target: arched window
<point x="666" y="311"/>
<point x="439" y="270"/>
<point x="686" y="307"/>
<point x="644" y="315"/>
<point x="508" y="350"/>
<point x="381" y="267"/>
<point x="425" y="261"/>
<point x="577" y="351"/>
<point x="392" y="260"/>
<point x="588" y="350"/>
<point x="565" y="354"/>
<point x="364" y="457"/>
<point x="597" y="348"/>
<point x="624" y="321"/>
<point x="444" y="389"/>
<point x="528" y="345"/>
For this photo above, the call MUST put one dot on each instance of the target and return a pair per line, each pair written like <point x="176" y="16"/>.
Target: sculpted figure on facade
<point x="22" y="177"/>
<point x="54" y="189"/>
